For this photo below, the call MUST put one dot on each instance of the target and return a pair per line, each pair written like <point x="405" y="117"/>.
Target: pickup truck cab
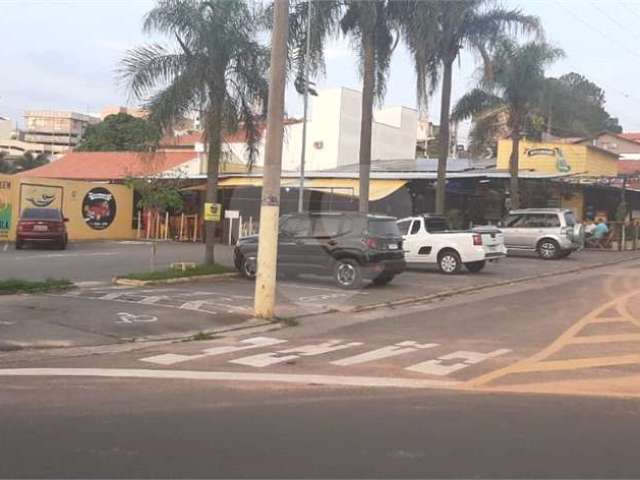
<point x="427" y="239"/>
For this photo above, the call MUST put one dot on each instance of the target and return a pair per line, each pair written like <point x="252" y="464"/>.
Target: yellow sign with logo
<point x="40" y="196"/>
<point x="212" y="212"/>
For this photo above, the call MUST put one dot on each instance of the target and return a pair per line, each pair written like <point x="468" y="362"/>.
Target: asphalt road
<point x="560" y="398"/>
<point x="88" y="428"/>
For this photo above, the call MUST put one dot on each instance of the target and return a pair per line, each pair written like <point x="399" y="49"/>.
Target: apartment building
<point x="55" y="128"/>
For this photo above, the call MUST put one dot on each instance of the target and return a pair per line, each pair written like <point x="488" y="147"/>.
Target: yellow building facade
<point x="561" y="158"/>
<point x="96" y="211"/>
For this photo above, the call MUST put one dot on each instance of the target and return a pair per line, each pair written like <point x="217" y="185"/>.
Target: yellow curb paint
<point x="578" y="363"/>
<point x="586" y="340"/>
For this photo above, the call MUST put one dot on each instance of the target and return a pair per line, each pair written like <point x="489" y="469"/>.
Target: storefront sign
<point x="40" y="196"/>
<point x="5" y="212"/>
<point x="99" y="208"/>
<point x="561" y="162"/>
<point x="212" y="212"/>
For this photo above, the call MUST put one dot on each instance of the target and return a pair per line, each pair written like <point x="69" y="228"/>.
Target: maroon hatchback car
<point x="42" y="225"/>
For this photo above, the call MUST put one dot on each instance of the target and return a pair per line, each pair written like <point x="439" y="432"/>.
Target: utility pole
<point x="265" y="293"/>
<point x="305" y="110"/>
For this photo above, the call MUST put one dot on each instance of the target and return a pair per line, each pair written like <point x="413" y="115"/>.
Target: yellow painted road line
<point x="591" y="339"/>
<point x="556" y="345"/>
<point x="610" y="320"/>
<point x="578" y="363"/>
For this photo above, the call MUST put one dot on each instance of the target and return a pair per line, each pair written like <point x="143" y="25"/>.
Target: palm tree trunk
<point x="366" y="121"/>
<point x="514" y="162"/>
<point x="214" y="135"/>
<point x="445" y="106"/>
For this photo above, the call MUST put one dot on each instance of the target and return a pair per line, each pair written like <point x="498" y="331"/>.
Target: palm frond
<point x="473" y="103"/>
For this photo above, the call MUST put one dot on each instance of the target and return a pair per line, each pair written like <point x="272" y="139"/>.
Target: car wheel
<point x="382" y="280"/>
<point x="249" y="267"/>
<point x="62" y="245"/>
<point x="548" y="249"/>
<point x="475" y="267"/>
<point x="19" y="244"/>
<point x="449" y="262"/>
<point x="347" y="274"/>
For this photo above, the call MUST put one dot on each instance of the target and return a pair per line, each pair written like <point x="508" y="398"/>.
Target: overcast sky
<point x="61" y="54"/>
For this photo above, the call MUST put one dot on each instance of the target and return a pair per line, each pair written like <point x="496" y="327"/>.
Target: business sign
<point x="5" y="209"/>
<point x="232" y="214"/>
<point x="561" y="162"/>
<point x="212" y="212"/>
<point x="99" y="208"/>
<point x="40" y="196"/>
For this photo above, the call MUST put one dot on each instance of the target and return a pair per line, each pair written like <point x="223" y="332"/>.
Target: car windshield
<point x="384" y="228"/>
<point x="41" y="214"/>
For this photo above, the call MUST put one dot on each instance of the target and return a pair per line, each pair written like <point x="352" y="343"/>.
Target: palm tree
<point x="512" y="86"/>
<point x="215" y="66"/>
<point x="369" y="25"/>
<point x="435" y="32"/>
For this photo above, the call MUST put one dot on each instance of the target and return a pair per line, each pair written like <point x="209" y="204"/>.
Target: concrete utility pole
<point x="265" y="294"/>
<point x="306" y="110"/>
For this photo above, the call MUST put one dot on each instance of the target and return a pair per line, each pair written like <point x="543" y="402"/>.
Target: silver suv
<point x="551" y="232"/>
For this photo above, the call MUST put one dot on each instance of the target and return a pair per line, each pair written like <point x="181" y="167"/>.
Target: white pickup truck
<point x="428" y="240"/>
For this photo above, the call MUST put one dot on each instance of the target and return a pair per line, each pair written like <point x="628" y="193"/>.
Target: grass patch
<point x="13" y="285"/>
<point x="214" y="269"/>
<point x="201" y="336"/>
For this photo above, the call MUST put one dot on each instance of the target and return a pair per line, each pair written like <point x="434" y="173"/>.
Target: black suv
<point x="350" y="246"/>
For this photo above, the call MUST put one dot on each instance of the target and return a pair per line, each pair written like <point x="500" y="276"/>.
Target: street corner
<point x="597" y="355"/>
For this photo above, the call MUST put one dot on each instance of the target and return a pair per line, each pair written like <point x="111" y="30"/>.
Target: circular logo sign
<point x="99" y="208"/>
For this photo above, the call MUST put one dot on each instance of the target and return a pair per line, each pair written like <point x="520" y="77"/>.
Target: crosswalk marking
<point x="248" y="343"/>
<point x="272" y="358"/>
<point x="439" y="368"/>
<point x="384" y="352"/>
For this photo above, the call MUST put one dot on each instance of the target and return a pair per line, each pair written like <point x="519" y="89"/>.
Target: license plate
<point x="40" y="228"/>
<point x="392" y="246"/>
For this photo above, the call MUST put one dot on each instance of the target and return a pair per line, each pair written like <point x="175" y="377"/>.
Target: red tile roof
<point x="110" y="165"/>
<point x="634" y="136"/>
<point x="628" y="167"/>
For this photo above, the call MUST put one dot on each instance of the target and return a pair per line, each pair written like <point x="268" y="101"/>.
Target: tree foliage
<point x="213" y="64"/>
<point x="120" y="132"/>
<point x="512" y="88"/>
<point x="575" y="107"/>
<point x="27" y="161"/>
<point x="370" y="27"/>
<point x="436" y="32"/>
<point x="159" y="194"/>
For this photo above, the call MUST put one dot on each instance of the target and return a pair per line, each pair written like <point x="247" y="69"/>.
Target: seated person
<point x="599" y="232"/>
<point x="589" y="227"/>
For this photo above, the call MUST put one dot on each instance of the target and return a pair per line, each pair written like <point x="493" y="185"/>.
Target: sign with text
<point x="212" y="212"/>
<point x="232" y="214"/>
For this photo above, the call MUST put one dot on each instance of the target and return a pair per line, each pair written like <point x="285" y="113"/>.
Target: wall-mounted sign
<point x="212" y="212"/>
<point x="561" y="162"/>
<point x="232" y="214"/>
<point x="40" y="196"/>
<point x="99" y="208"/>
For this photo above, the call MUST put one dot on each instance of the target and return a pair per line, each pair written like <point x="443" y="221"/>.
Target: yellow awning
<point x="378" y="189"/>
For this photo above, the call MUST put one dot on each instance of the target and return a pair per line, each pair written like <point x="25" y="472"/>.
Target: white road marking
<point x="129" y="318"/>
<point x="111" y="296"/>
<point x="249" y="343"/>
<point x="334" y="290"/>
<point x="6" y="324"/>
<point x="272" y="358"/>
<point x="384" y="352"/>
<point x="6" y="247"/>
<point x="333" y="380"/>
<point x="437" y="367"/>
<point x="151" y="300"/>
<point x="321" y="297"/>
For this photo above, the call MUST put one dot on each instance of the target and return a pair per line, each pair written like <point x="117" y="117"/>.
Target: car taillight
<point x="477" y="239"/>
<point x="372" y="243"/>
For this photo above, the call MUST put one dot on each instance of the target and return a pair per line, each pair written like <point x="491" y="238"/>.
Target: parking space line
<point x="578" y="363"/>
<point x="623" y="337"/>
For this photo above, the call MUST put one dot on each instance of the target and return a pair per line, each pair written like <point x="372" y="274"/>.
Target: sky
<point x="62" y="54"/>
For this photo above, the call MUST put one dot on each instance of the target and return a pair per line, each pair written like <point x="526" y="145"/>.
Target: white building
<point x="333" y="133"/>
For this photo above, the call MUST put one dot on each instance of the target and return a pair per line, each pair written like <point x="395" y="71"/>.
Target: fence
<point x="190" y="228"/>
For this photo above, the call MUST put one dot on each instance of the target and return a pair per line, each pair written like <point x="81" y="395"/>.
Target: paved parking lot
<point x="105" y="314"/>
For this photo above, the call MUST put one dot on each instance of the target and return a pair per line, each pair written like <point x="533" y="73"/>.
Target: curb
<point x="196" y="278"/>
<point x="460" y="291"/>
